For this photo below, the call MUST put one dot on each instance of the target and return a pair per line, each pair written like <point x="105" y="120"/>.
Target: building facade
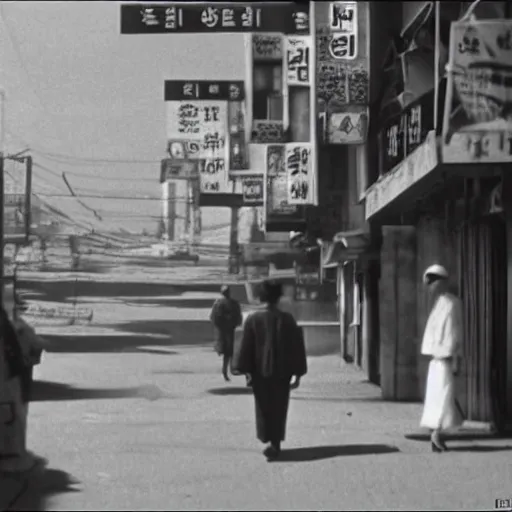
<point x="441" y="193"/>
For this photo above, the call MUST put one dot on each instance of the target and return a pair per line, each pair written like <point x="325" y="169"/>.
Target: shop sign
<point x="343" y="72"/>
<point x="253" y="190"/>
<point x="418" y="164"/>
<point x="209" y="17"/>
<point x="298" y="60"/>
<point x="205" y="121"/>
<point x="405" y="132"/>
<point x="300" y="172"/>
<point x="479" y="128"/>
<point x="279" y="214"/>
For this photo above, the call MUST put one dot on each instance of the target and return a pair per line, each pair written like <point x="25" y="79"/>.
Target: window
<point x="267" y="91"/>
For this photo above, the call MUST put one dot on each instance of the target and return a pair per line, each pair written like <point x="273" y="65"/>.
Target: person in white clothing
<point x="442" y="341"/>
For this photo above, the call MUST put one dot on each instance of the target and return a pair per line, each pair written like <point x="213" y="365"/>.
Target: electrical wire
<point x="125" y="198"/>
<point x="78" y="160"/>
<point x="101" y="178"/>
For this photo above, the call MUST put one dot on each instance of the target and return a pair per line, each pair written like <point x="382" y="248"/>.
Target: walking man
<point x="226" y="316"/>
<point x="272" y="351"/>
<point x="442" y="341"/>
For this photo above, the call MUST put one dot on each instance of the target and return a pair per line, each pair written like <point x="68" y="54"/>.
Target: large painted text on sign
<point x="204" y="17"/>
<point x="205" y="121"/>
<point x="480" y="77"/>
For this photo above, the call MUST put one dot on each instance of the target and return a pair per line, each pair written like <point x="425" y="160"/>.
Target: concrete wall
<point x="398" y="308"/>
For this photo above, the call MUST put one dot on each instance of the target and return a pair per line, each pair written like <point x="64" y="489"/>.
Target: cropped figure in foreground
<point x="442" y="341"/>
<point x="272" y="351"/>
<point x="226" y="316"/>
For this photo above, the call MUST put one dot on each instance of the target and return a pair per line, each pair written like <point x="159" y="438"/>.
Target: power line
<point x="101" y="178"/>
<point x="124" y="198"/>
<point x="78" y="160"/>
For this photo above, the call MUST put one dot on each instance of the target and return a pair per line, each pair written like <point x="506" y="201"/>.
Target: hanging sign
<point x="299" y="172"/>
<point x="479" y="128"/>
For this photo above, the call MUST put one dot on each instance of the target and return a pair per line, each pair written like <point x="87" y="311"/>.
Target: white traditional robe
<point x="442" y="339"/>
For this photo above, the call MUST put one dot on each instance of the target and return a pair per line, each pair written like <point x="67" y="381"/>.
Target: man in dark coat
<point x="226" y="316"/>
<point x="272" y="351"/>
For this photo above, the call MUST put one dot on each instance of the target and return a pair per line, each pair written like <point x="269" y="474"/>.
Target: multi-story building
<point x="440" y="148"/>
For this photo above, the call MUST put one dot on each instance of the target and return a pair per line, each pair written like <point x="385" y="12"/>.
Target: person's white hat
<point x="435" y="270"/>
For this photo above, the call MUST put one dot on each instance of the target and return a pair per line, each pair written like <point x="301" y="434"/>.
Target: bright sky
<point x="75" y="86"/>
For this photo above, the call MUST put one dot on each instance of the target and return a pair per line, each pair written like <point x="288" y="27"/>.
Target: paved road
<point x="157" y="428"/>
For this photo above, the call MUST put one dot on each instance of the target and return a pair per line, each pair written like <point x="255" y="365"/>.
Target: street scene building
<point x="292" y="215"/>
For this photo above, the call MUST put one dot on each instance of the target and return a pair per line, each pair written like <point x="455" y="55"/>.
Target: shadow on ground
<point x="313" y="453"/>
<point x="172" y="303"/>
<point x="368" y="399"/>
<point x="115" y="343"/>
<point x="45" y="391"/>
<point x="231" y="391"/>
<point x="42" y="483"/>
<point x="61" y="291"/>
<point x="462" y="435"/>
<point x="479" y="448"/>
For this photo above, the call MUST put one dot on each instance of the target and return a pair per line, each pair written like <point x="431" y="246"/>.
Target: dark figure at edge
<point x="272" y="351"/>
<point x="226" y="316"/>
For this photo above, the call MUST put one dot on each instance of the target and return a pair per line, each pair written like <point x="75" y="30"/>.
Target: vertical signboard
<point x="205" y="122"/>
<point x="299" y="171"/>
<point x="343" y="71"/>
<point x="479" y="129"/>
<point x="280" y="215"/>
<point x="298" y="60"/>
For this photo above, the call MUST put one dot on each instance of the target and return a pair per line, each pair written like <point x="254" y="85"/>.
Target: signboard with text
<point x="343" y="70"/>
<point x="299" y="172"/>
<point x="204" y="17"/>
<point x="403" y="133"/>
<point x="253" y="190"/>
<point x="298" y="60"/>
<point x="280" y="215"/>
<point x="205" y="122"/>
<point x="477" y="123"/>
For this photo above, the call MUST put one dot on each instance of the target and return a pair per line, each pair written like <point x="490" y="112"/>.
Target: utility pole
<point x="2" y="245"/>
<point x="233" y="238"/>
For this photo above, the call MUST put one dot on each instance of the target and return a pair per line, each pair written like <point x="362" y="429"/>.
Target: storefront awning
<point x="345" y="246"/>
